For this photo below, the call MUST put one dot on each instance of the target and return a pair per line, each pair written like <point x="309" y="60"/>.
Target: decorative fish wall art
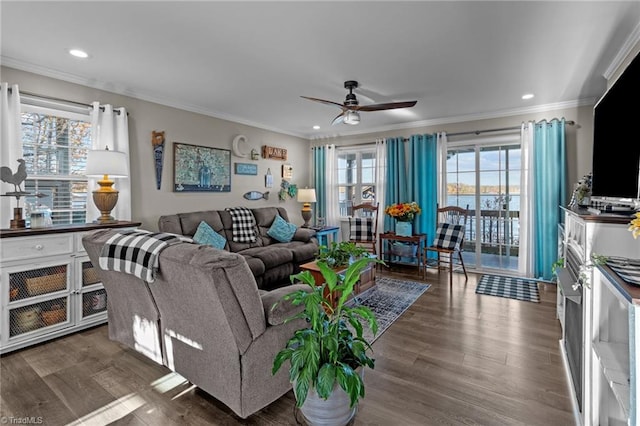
<point x="157" y="140"/>
<point x="256" y="195"/>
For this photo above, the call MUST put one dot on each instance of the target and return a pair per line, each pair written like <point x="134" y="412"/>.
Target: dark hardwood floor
<point x="453" y="358"/>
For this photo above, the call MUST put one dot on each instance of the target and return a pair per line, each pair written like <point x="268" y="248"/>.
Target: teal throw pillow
<point x="282" y="230"/>
<point x="206" y="235"/>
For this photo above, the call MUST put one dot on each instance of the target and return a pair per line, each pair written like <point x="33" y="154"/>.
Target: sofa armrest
<point x="304" y="234"/>
<point x="275" y="309"/>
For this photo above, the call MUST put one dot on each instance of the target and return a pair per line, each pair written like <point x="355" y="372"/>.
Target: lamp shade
<point x="307" y="195"/>
<point x="352" y="117"/>
<point x="105" y="162"/>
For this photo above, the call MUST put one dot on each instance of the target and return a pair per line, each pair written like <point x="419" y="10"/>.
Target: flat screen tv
<point x="616" y="139"/>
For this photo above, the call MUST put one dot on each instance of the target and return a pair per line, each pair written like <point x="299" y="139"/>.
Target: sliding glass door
<point x="486" y="180"/>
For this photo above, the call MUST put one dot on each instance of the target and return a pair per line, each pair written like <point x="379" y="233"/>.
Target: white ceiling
<point x="251" y="61"/>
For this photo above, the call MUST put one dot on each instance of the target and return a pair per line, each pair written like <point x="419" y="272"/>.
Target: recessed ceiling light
<point x="527" y="96"/>
<point x="78" y="53"/>
<point x="316" y="127"/>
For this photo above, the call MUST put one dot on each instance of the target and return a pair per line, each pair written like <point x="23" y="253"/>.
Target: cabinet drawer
<point x="35" y="247"/>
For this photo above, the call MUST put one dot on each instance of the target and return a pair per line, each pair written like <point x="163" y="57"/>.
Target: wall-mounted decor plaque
<point x="274" y="153"/>
<point x="246" y="168"/>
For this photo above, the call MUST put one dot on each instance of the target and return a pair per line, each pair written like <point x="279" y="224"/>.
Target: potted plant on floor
<point x="340" y="254"/>
<point x="327" y="358"/>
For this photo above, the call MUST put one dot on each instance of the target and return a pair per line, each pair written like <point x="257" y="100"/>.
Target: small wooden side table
<point x="389" y="237"/>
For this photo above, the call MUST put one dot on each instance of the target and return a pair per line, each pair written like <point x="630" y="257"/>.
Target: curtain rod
<point x="474" y="132"/>
<point x="503" y="129"/>
<point x="52" y="98"/>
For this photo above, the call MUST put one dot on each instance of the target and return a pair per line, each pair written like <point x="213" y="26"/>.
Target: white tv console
<point x="607" y="379"/>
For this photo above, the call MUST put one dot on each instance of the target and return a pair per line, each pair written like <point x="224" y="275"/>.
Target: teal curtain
<point x="550" y="178"/>
<point x="422" y="185"/>
<point x="396" y="186"/>
<point x="319" y="180"/>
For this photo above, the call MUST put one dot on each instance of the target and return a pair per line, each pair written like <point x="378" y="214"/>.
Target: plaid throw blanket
<point x="136" y="252"/>
<point x="244" y="223"/>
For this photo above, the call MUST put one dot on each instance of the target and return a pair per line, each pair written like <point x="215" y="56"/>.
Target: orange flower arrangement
<point x="403" y="212"/>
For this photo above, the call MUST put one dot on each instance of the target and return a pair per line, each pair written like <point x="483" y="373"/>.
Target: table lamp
<point x="105" y="164"/>
<point x="306" y="196"/>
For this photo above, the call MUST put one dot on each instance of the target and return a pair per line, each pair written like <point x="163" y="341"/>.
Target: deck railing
<point x="498" y="231"/>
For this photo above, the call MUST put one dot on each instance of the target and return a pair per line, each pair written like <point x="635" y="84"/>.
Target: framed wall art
<point x="201" y="168"/>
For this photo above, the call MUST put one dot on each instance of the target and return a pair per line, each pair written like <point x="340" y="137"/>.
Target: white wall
<point x="148" y="203"/>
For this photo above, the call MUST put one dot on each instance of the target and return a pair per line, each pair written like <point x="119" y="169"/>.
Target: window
<point x="55" y="145"/>
<point x="356" y="178"/>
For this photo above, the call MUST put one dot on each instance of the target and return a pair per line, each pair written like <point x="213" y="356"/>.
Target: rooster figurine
<point x="6" y="175"/>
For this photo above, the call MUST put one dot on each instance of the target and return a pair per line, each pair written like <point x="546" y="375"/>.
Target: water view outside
<point x="487" y="180"/>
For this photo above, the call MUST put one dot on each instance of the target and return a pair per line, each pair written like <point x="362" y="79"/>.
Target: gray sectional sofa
<point x="204" y="318"/>
<point x="270" y="261"/>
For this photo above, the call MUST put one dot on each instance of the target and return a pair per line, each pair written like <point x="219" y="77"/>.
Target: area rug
<point x="510" y="287"/>
<point x="388" y="299"/>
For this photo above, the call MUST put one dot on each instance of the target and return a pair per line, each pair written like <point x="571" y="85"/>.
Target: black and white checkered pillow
<point x="244" y="223"/>
<point x="361" y="229"/>
<point x="449" y="236"/>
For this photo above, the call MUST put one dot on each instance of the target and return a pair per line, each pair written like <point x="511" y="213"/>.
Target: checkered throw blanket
<point x="244" y="223"/>
<point x="136" y="252"/>
<point x="361" y="229"/>
<point x="449" y="236"/>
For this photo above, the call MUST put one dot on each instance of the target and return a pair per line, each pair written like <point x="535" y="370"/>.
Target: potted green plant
<point x="327" y="358"/>
<point x="340" y="254"/>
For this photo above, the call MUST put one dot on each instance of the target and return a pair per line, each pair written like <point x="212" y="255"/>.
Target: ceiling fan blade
<point x="339" y="118"/>
<point x="381" y="107"/>
<point x="324" y="101"/>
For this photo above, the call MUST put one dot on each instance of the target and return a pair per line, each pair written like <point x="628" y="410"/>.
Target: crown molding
<point x="625" y="50"/>
<point x="109" y="87"/>
<point x="466" y="118"/>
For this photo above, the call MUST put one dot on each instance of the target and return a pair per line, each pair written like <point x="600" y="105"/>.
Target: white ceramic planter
<point x="333" y="411"/>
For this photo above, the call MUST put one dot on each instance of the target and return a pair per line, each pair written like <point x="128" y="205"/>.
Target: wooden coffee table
<point x="367" y="277"/>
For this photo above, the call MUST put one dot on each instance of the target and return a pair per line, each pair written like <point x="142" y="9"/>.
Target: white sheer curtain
<point x="331" y="174"/>
<point x="442" y="145"/>
<point x="527" y="231"/>
<point x="381" y="181"/>
<point x="111" y="128"/>
<point x="10" y="146"/>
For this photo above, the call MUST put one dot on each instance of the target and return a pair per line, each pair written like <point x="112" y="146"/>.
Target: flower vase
<point x="585" y="201"/>
<point x="404" y="229"/>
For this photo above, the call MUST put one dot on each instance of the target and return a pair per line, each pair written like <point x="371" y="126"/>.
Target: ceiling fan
<point x="350" y="108"/>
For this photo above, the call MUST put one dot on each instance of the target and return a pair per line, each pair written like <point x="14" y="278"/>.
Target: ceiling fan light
<point x="352" y="118"/>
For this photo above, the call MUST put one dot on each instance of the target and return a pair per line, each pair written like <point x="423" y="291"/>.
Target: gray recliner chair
<point x="204" y="318"/>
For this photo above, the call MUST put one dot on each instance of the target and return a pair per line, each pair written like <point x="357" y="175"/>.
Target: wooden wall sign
<point x="274" y="153"/>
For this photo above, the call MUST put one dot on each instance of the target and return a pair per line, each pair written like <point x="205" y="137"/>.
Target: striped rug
<point x="510" y="287"/>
